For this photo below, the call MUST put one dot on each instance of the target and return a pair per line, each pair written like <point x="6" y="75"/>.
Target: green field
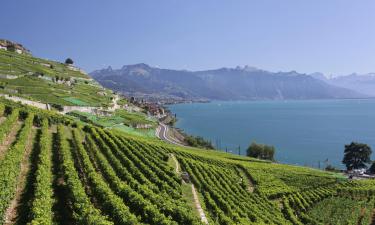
<point x="84" y="174"/>
<point x="76" y="101"/>
<point x="121" y="120"/>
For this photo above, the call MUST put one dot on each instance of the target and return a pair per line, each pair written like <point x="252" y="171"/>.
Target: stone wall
<point x="8" y="76"/>
<point x="26" y="101"/>
<point x="87" y="109"/>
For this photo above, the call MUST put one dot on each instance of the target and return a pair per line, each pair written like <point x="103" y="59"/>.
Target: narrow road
<point x="162" y="133"/>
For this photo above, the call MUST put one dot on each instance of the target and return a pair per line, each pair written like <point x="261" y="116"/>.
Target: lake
<point x="303" y="132"/>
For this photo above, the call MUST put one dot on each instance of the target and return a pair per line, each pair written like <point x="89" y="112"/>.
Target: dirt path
<point x="198" y="205"/>
<point x="362" y="214"/>
<point x="9" y="139"/>
<point x="2" y="119"/>
<point x="177" y="165"/>
<point x="373" y="217"/>
<point x="53" y="128"/>
<point x="250" y="185"/>
<point x="10" y="216"/>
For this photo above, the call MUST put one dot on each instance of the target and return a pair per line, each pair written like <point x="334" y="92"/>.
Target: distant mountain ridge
<point x="363" y="83"/>
<point x="240" y="83"/>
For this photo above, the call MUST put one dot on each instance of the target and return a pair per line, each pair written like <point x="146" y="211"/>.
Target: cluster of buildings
<point x="360" y="174"/>
<point x="153" y="108"/>
<point x="13" y="46"/>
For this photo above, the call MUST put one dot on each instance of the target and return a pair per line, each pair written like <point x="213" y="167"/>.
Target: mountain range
<point x="363" y="83"/>
<point x="240" y="83"/>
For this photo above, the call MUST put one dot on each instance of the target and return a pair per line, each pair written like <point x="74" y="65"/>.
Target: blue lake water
<point x="303" y="132"/>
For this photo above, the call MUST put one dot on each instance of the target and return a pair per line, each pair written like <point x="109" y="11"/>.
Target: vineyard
<point x="56" y="170"/>
<point x="48" y="81"/>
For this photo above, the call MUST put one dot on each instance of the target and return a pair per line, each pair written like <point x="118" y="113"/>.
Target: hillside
<point x="48" y="81"/>
<point x="58" y="171"/>
<point x="221" y="84"/>
<point x="65" y="88"/>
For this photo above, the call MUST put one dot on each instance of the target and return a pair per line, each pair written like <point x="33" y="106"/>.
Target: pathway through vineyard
<point x="247" y="179"/>
<point x="9" y="139"/>
<point x="197" y="204"/>
<point x="12" y="213"/>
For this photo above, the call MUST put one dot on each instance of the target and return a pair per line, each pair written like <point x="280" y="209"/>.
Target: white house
<point x="73" y="68"/>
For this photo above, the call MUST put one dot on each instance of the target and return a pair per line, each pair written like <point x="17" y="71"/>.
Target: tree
<point x="356" y="155"/>
<point x="254" y="150"/>
<point x="330" y="168"/>
<point x="69" y="61"/>
<point x="261" y="151"/>
<point x="268" y="152"/>
<point x="198" y="141"/>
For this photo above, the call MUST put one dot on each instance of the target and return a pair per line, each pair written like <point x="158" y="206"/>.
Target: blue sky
<point x="330" y="36"/>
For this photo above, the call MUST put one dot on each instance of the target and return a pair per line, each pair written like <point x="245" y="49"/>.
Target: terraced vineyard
<point x="48" y="81"/>
<point x="54" y="170"/>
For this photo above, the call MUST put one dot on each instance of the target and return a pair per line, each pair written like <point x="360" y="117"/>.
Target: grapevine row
<point x="151" y="173"/>
<point x="174" y="208"/>
<point x="41" y="209"/>
<point x="10" y="166"/>
<point x="84" y="211"/>
<point x="137" y="204"/>
<point x="7" y="125"/>
<point x="110" y="201"/>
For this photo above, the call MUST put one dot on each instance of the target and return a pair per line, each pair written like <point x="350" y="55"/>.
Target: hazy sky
<point x="330" y="36"/>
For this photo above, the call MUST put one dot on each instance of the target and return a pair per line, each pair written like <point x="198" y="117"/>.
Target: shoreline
<point x="326" y="146"/>
<point x="265" y="100"/>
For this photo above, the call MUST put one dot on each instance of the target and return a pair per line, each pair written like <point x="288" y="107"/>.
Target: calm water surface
<point x="303" y="132"/>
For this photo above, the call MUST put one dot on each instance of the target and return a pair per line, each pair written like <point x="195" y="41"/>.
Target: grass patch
<point x="76" y="101"/>
<point x="115" y="122"/>
<point x="138" y="132"/>
<point x="132" y="119"/>
<point x="187" y="195"/>
<point x="171" y="163"/>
